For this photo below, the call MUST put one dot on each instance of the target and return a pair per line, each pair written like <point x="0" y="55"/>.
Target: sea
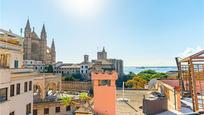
<point x="136" y="69"/>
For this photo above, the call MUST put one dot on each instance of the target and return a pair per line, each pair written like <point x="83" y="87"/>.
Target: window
<point x="30" y="85"/>
<point x="25" y="86"/>
<point x="68" y="108"/>
<point x="86" y="66"/>
<point x="46" y="110"/>
<point x="35" y="112"/>
<point x="86" y="71"/>
<point x="82" y="71"/>
<point x="28" y="108"/>
<point x="12" y="90"/>
<point x="57" y="109"/>
<point x="18" y="89"/>
<point x="3" y="94"/>
<point x="36" y="68"/>
<point x="16" y="64"/>
<point x="4" y="61"/>
<point x="104" y="82"/>
<point x="12" y="113"/>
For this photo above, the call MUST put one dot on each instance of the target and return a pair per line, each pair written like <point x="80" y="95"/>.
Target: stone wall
<point x="75" y="85"/>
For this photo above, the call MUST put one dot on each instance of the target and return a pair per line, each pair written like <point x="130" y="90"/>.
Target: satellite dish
<point x="152" y="83"/>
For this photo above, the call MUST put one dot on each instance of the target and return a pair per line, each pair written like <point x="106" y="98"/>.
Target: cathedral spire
<point x="103" y="49"/>
<point x="28" y="25"/>
<point x="53" y="52"/>
<point x="27" y="29"/>
<point x="43" y="32"/>
<point x="53" y="44"/>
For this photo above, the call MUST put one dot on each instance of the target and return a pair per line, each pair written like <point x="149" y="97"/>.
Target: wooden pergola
<point x="191" y="75"/>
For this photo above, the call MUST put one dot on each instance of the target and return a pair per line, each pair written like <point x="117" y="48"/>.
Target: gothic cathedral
<point x="35" y="48"/>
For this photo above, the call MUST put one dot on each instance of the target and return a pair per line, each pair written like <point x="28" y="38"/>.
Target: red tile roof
<point x="172" y="83"/>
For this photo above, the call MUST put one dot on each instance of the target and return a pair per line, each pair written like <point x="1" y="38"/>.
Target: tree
<point x="139" y="80"/>
<point x="86" y="99"/>
<point x="148" y="72"/>
<point x="77" y="76"/>
<point x="84" y="96"/>
<point x="69" y="78"/>
<point x="73" y="77"/>
<point x="68" y="100"/>
<point x="136" y="82"/>
<point x="48" y="69"/>
<point x="124" y="78"/>
<point x="151" y="74"/>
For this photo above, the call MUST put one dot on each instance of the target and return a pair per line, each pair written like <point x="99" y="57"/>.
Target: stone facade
<point x="102" y="55"/>
<point x="46" y="102"/>
<point x="76" y="86"/>
<point x="102" y="63"/>
<point x="35" y="47"/>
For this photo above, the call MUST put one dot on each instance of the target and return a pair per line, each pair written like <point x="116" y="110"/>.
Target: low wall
<point x="172" y="94"/>
<point x="75" y="85"/>
<point x="153" y="106"/>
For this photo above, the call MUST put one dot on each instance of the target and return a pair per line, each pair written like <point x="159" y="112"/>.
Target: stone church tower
<point x="102" y="55"/>
<point x="53" y="53"/>
<point x="27" y="41"/>
<point x="36" y="48"/>
<point x="43" y="45"/>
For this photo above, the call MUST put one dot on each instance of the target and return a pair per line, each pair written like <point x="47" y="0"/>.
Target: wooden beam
<point x="193" y="90"/>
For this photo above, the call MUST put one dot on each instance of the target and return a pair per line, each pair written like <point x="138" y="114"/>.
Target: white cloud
<point x="189" y="51"/>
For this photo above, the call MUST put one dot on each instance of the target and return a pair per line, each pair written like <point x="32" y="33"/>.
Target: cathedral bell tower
<point x="102" y="55"/>
<point x="27" y="41"/>
<point x="43" y="45"/>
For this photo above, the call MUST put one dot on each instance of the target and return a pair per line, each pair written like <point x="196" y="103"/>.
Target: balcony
<point x="22" y="73"/>
<point x="9" y="46"/>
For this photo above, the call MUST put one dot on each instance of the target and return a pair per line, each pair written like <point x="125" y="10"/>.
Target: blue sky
<point x="141" y="32"/>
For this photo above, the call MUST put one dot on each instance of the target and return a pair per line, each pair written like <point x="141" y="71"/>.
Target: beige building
<point x="37" y="66"/>
<point x="67" y="69"/>
<point x="102" y="63"/>
<point x="47" y="93"/>
<point x="16" y="91"/>
<point x="35" y="47"/>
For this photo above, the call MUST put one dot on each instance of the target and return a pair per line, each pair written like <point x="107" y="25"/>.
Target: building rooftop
<point x="70" y="66"/>
<point x="172" y="83"/>
<point x="22" y="73"/>
<point x="11" y="38"/>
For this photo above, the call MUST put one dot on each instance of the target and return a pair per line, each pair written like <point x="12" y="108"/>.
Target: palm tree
<point x="84" y="96"/>
<point x="86" y="99"/>
<point x="68" y="100"/>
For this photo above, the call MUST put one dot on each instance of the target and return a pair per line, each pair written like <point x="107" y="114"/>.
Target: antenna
<point x="123" y="90"/>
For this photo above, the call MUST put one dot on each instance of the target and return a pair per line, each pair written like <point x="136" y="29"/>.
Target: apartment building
<point x="16" y="91"/>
